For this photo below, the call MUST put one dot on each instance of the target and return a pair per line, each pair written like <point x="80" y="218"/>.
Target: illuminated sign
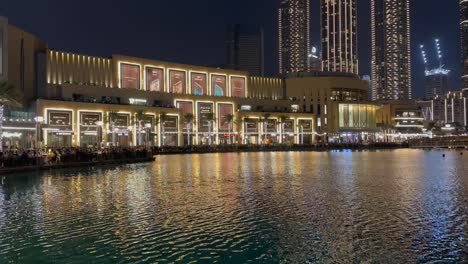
<point x="11" y="135"/>
<point x="171" y="123"/>
<point x="199" y="83"/>
<point x="223" y="111"/>
<point x="155" y="79"/>
<point x="251" y="125"/>
<point x="148" y="120"/>
<point x="218" y="85"/>
<point x="135" y="101"/>
<point x="238" y="86"/>
<point x="121" y="120"/>
<point x="177" y="83"/>
<point x="59" y="118"/>
<point x="89" y="119"/>
<point x="185" y="106"/>
<point x="246" y="108"/>
<point x="130" y="76"/>
<point x="306" y="125"/>
<point x="288" y="126"/>
<point x="271" y="126"/>
<point x="203" y="110"/>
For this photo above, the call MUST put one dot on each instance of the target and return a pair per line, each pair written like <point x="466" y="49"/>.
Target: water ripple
<point x="338" y="207"/>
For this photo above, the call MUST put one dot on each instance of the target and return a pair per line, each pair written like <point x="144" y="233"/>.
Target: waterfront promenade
<point x="43" y="159"/>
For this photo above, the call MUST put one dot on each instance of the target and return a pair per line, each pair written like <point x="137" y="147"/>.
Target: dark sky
<point x="192" y="32"/>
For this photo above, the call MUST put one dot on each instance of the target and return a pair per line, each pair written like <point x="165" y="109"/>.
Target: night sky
<point x="193" y="32"/>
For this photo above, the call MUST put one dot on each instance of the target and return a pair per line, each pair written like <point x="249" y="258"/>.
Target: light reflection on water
<point x="390" y="206"/>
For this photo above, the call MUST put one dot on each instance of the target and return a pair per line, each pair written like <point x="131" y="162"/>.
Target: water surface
<point x="400" y="206"/>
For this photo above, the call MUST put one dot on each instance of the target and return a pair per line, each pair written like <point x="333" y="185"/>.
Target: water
<point x="400" y="206"/>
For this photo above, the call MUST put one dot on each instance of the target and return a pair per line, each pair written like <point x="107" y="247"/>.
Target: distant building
<point x="294" y="36"/>
<point x="339" y="36"/>
<point x="315" y="63"/>
<point x="403" y="116"/>
<point x="436" y="80"/>
<point x="464" y="39"/>
<point x="447" y="109"/>
<point x="391" y="50"/>
<point x="367" y="78"/>
<point x="436" y="83"/>
<point x="245" y="49"/>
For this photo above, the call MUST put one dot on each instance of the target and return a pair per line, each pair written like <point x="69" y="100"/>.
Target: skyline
<point x="137" y="37"/>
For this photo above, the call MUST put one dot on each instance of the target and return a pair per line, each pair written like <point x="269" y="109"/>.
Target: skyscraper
<point x="339" y="36"/>
<point x="294" y="36"/>
<point x="464" y="39"/>
<point x="244" y="49"/>
<point x="391" y="54"/>
<point x="436" y="83"/>
<point x="315" y="62"/>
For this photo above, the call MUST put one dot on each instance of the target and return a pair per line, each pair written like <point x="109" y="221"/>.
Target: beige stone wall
<point x="266" y="88"/>
<point x="42" y="106"/>
<point x="23" y="48"/>
<point x="64" y="67"/>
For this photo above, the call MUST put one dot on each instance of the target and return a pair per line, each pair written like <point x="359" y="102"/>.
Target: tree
<point x="264" y="120"/>
<point x="110" y="120"/>
<point x="139" y="116"/>
<point x="8" y="96"/>
<point x="188" y="121"/>
<point x="162" y="121"/>
<point x="210" y="118"/>
<point x="282" y="121"/>
<point x="229" y="120"/>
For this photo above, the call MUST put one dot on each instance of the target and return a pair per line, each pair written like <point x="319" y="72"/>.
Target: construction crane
<point x="423" y="53"/>
<point x="439" y="53"/>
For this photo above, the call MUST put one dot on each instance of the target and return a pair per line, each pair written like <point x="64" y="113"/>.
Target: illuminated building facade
<point x="78" y="100"/>
<point x="391" y="54"/>
<point x="294" y="36"/>
<point x="464" y="39"/>
<point x="450" y="108"/>
<point x="339" y="36"/>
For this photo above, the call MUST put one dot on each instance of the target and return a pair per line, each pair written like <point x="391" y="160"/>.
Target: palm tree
<point x="282" y="121"/>
<point x="229" y="120"/>
<point x="110" y="120"/>
<point x="8" y="96"/>
<point x="210" y="118"/>
<point x="139" y="116"/>
<point x="188" y="121"/>
<point x="162" y="121"/>
<point x="264" y="120"/>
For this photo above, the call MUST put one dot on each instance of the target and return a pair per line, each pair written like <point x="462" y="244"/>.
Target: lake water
<point x="401" y="206"/>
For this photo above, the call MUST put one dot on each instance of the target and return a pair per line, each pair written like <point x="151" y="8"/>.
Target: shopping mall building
<point x="78" y="100"/>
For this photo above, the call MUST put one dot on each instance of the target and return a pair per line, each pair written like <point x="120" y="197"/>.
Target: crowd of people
<point x="49" y="156"/>
<point x="268" y="147"/>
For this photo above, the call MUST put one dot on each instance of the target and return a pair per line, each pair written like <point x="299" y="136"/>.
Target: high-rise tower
<point x="294" y="36"/>
<point x="391" y="50"/>
<point x="464" y="39"/>
<point x="339" y="36"/>
<point x="244" y="49"/>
